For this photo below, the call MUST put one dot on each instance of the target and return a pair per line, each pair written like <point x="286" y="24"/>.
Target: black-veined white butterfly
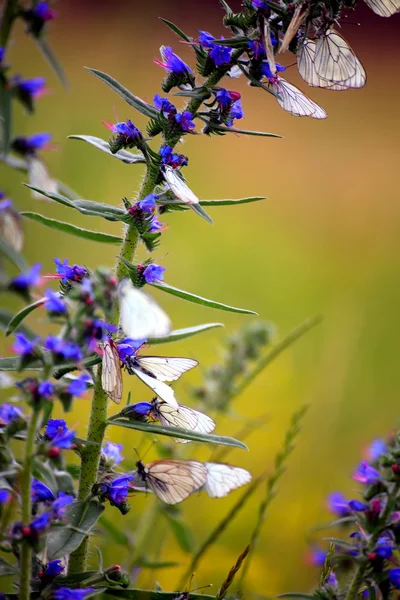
<point x="111" y="376"/>
<point x="384" y="8"/>
<point x="164" y="391"/>
<point x="183" y="417"/>
<point x="141" y="316"/>
<point x="222" y="479"/>
<point x="172" y="480"/>
<point x="307" y="70"/>
<point x="334" y="61"/>
<point x="40" y="177"/>
<point x="291" y="99"/>
<point x="11" y="230"/>
<point x="178" y="185"/>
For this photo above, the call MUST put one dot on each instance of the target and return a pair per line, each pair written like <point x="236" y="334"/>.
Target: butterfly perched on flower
<point x="182" y="417"/>
<point x="111" y="376"/>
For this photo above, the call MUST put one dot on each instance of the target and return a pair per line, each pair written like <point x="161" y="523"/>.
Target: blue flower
<point x="64" y="440"/>
<point x="116" y="490"/>
<point x="221" y="55"/>
<point x="266" y="69"/>
<point x="317" y="557"/>
<point x="112" y="453"/>
<point x="63" y="349"/>
<point x="185" y="120"/>
<point x="357" y="506"/>
<point x="97" y="330"/>
<point x="71" y="594"/>
<point x="139" y="411"/>
<point x="366" y="474"/>
<point x="331" y="580"/>
<point x="54" y="303"/>
<point x="59" y="505"/>
<point x="236" y="112"/>
<point x="43" y="11"/>
<point x="34" y="88"/>
<point x="30" y="145"/>
<point x="77" y="387"/>
<point x="4" y="496"/>
<point x="55" y="427"/>
<point x="40" y="492"/>
<point x="206" y="39"/>
<point x="257" y="48"/>
<point x="46" y="389"/>
<point x="128" y="347"/>
<point x="172" y="62"/>
<point x="41" y="522"/>
<point x="164" y="105"/>
<point x="394" y="578"/>
<point x="223" y="98"/>
<point x="385" y="546"/>
<point x="54" y="568"/>
<point x="69" y="273"/>
<point x="23" y="346"/>
<point x="155" y="225"/>
<point x="377" y="448"/>
<point x="261" y="4"/>
<point x="148" y="204"/>
<point x="153" y="273"/>
<point x="338" y="504"/>
<point x="29" y="279"/>
<point x="2" y="53"/>
<point x="168" y="157"/>
<point x="9" y="413"/>
<point x="127" y="130"/>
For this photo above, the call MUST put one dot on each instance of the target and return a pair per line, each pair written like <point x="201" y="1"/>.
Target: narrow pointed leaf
<point x="181" y="334"/>
<point x="52" y="60"/>
<point x="6" y="316"/>
<point x="176" y="30"/>
<point x="235" y="42"/>
<point x="177" y="432"/>
<point x="95" y="236"/>
<point x="6" y="568"/>
<point x="21" y="315"/>
<point x="225" y="129"/>
<point x="65" y="190"/>
<point x="10" y="363"/>
<point x="232" y="202"/>
<point x="169" y="289"/>
<point x="13" y="256"/>
<point x="123" y="155"/>
<point x="136" y="594"/>
<point x="134" y="101"/>
<point x="154" y="564"/>
<point x="201" y="212"/>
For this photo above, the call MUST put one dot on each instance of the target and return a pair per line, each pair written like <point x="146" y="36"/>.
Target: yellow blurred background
<point x="326" y="241"/>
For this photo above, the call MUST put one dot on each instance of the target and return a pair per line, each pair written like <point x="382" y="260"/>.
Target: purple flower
<point x="223" y="98"/>
<point x="46" y="389"/>
<point x="148" y="204"/>
<point x="29" y="279"/>
<point x="9" y="413"/>
<point x="175" y="160"/>
<point x="357" y="506"/>
<point x="23" y="346"/>
<point x="117" y="489"/>
<point x="164" y="105"/>
<point x="72" y="594"/>
<point x="377" y="448"/>
<point x="257" y="48"/>
<point x="64" y="440"/>
<point x="54" y="568"/>
<point x="236" y="112"/>
<point x="138" y="411"/>
<point x="126" y="130"/>
<point x="266" y="69"/>
<point x="153" y="273"/>
<point x="206" y="39"/>
<point x="33" y="88"/>
<point x="128" y="347"/>
<point x="77" y="387"/>
<point x="59" y="506"/>
<point x="338" y="504"/>
<point x="4" y="496"/>
<point x="68" y="350"/>
<point x="112" y="453"/>
<point x="331" y="580"/>
<point x="261" y="4"/>
<point x="70" y="273"/>
<point x="43" y="11"/>
<point x="2" y="53"/>
<point x="394" y="578"/>
<point x="6" y="204"/>
<point x="54" y="303"/>
<point x="366" y="474"/>
<point x="155" y="225"/>
<point x="185" y="120"/>
<point x="385" y="546"/>
<point x="30" y="145"/>
<point x="221" y="55"/>
<point x="40" y="523"/>
<point x="172" y="62"/>
<point x="55" y="427"/>
<point x="97" y="330"/>
<point x="317" y="557"/>
<point x="40" y="492"/>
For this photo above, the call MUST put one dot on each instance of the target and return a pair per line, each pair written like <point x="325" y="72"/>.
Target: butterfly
<point x="291" y="99"/>
<point x="111" y="376"/>
<point x="334" y="60"/>
<point x="141" y="316"/>
<point x="384" y="8"/>
<point x="183" y="417"/>
<point x="307" y="70"/>
<point x="39" y="177"/>
<point x="222" y="479"/>
<point x="172" y="480"/>
<point x="178" y="186"/>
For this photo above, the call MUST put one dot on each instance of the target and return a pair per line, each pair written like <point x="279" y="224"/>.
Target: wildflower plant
<point x="105" y="324"/>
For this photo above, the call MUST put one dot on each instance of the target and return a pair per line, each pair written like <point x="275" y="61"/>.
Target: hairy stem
<point x="10" y="13"/>
<point x="26" y="501"/>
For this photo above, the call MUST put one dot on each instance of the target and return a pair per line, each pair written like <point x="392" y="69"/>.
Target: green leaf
<point x="5" y="318"/>
<point x="201" y="212"/>
<point x="177" y="432"/>
<point x="176" y="30"/>
<point x="134" y="101"/>
<point x="232" y="202"/>
<point x="225" y="129"/>
<point x="126" y="157"/>
<point x="339" y="542"/>
<point x="6" y="568"/>
<point x="235" y="42"/>
<point x="118" y="536"/>
<point x="52" y="60"/>
<point x="95" y="236"/>
<point x="181" y="334"/>
<point x="9" y="363"/>
<point x="13" y="256"/>
<point x="136" y="594"/>
<point x="181" y="532"/>
<point x="5" y="117"/>
<point x="80" y="518"/>
<point x="21" y="315"/>
<point x="199" y="299"/>
<point x="151" y="564"/>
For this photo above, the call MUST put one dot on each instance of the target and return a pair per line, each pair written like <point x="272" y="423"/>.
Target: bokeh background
<point x="326" y="241"/>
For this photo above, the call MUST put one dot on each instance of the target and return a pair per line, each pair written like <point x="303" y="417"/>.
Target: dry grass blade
<point x="231" y="576"/>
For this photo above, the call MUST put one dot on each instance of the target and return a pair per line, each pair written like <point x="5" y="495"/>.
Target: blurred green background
<point x="326" y="241"/>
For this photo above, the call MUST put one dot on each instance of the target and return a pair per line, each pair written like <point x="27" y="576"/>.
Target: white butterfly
<point x="111" y="376"/>
<point x="141" y="316"/>
<point x="178" y="186"/>
<point x="172" y="480"/>
<point x="384" y="8"/>
<point x="164" y="391"/>
<point x="291" y="99"/>
<point x="183" y="417"/>
<point x="11" y="230"/>
<point x="334" y="61"/>
<point x="163" y="368"/>
<point x="39" y="177"/>
<point x="306" y="66"/>
<point x="222" y="479"/>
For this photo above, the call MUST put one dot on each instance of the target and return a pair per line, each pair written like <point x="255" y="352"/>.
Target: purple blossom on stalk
<point x="2" y="53"/>
<point x="54" y="303"/>
<point x="77" y="387"/>
<point x="331" y="580"/>
<point x="23" y="346"/>
<point x="72" y="594"/>
<point x="112" y="453"/>
<point x="41" y="493"/>
<point x="4" y="496"/>
<point x="69" y="272"/>
<point x="63" y="349"/>
<point x="155" y="225"/>
<point x="24" y="281"/>
<point x="97" y="330"/>
<point x="43" y="11"/>
<point x="64" y="440"/>
<point x="236" y="112"/>
<point x="32" y="88"/>
<point x="54" y="568"/>
<point x="128" y="347"/>
<point x="59" y="506"/>
<point x="46" y="389"/>
<point x="221" y="55"/>
<point x="260" y="4"/>
<point x="206" y="39"/>
<point x="224" y="98"/>
<point x="366" y="474"/>
<point x="357" y="506"/>
<point x="338" y="504"/>
<point x="175" y="160"/>
<point x="153" y="273"/>
<point x="30" y="145"/>
<point x="184" y="119"/>
<point x="394" y="578"/>
<point x="266" y="70"/>
<point x="55" y="427"/>
<point x="40" y="523"/>
<point x="127" y="130"/>
<point x="257" y="48"/>
<point x="376" y="449"/>
<point x="171" y="62"/>
<point x="148" y="204"/>
<point x="116" y="490"/>
<point x="139" y="411"/>
<point x="164" y="105"/>
<point x="9" y="413"/>
<point x="317" y="557"/>
<point x="385" y="546"/>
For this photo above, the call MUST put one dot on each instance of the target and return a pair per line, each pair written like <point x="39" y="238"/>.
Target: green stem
<point x="26" y="502"/>
<point x="10" y="13"/>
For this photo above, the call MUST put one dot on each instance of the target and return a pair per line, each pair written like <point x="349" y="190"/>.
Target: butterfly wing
<point x="222" y="479"/>
<point x="291" y="99"/>
<point x="111" y="375"/>
<point x="358" y="80"/>
<point x="178" y="186"/>
<point x="39" y="177"/>
<point x="183" y="417"/>
<point x="166" y="368"/>
<point x="335" y="61"/>
<point x="384" y="8"/>
<point x="174" y="480"/>
<point x="162" y="390"/>
<point x="141" y="316"/>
